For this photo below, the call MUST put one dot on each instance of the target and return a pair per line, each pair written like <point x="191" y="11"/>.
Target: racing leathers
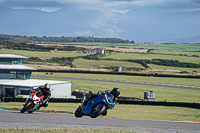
<point x="47" y="95"/>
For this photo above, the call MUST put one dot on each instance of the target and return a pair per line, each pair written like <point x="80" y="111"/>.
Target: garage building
<point x="15" y="79"/>
<point x="12" y="88"/>
<point x="11" y="67"/>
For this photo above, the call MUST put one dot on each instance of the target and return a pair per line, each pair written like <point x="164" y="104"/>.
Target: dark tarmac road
<point x="40" y="120"/>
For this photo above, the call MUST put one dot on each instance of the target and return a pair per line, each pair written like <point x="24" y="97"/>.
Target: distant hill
<point x="192" y="39"/>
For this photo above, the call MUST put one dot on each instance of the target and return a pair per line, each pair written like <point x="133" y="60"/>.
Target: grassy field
<point x="42" y="55"/>
<point x="91" y="64"/>
<point x="52" y="54"/>
<point x="161" y="80"/>
<point x="162" y="93"/>
<point x="172" y="47"/>
<point x="169" y="69"/>
<point x="58" y="131"/>
<point x="195" y="60"/>
<point x="80" y="63"/>
<point x="176" y="52"/>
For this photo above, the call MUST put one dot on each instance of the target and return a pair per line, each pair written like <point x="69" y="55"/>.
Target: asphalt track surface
<point x="127" y="82"/>
<point x="40" y="120"/>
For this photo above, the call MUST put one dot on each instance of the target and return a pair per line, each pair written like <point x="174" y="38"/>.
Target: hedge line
<point x="154" y="103"/>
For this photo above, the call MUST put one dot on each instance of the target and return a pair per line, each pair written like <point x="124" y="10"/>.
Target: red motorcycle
<point x="33" y="102"/>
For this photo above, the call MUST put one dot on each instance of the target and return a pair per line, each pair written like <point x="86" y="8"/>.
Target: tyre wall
<point x="121" y="101"/>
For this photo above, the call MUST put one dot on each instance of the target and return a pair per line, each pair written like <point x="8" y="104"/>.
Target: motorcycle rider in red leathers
<point x="47" y="94"/>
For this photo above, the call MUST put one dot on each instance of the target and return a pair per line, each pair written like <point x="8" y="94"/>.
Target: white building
<point x="12" y="88"/>
<point x="94" y="51"/>
<point x="11" y="67"/>
<point x="15" y="79"/>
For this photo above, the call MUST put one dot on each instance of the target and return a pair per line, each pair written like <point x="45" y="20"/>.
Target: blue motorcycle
<point x="97" y="106"/>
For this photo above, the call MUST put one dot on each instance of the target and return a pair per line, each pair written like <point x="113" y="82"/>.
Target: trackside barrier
<point x="160" y="103"/>
<point x="79" y="94"/>
<point x="8" y="99"/>
<point x="78" y="100"/>
<point x="64" y="100"/>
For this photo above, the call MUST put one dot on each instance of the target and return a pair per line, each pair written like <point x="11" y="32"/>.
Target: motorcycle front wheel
<point x="78" y="112"/>
<point x="26" y="106"/>
<point x="97" y="111"/>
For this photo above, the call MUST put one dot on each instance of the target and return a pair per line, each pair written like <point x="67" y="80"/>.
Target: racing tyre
<point x="97" y="111"/>
<point x="78" y="112"/>
<point x="26" y="106"/>
<point x="30" y="112"/>
<point x="23" y="110"/>
<point x="104" y="113"/>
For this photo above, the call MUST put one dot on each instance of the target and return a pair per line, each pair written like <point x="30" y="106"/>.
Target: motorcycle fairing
<point x="34" y="99"/>
<point x="100" y="100"/>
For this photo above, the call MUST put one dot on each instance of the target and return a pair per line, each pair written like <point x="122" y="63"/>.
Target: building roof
<point x="16" y="67"/>
<point x="29" y="82"/>
<point x="12" y="56"/>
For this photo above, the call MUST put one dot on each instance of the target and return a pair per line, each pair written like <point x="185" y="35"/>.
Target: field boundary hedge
<point x="78" y="100"/>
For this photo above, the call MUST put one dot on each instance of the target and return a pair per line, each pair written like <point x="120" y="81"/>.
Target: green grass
<point x="129" y="112"/>
<point x="162" y="93"/>
<point x="161" y="80"/>
<point x="139" y="112"/>
<point x="42" y="55"/>
<point x="67" y="130"/>
<point x="92" y="64"/>
<point x="195" y="60"/>
<point x="176" y="52"/>
<point x="80" y="63"/>
<point x="171" y="47"/>
<point x="157" y="67"/>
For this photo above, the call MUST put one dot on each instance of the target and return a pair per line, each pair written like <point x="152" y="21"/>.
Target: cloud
<point x="120" y="11"/>
<point x="162" y="5"/>
<point x="120" y="6"/>
<point x="42" y="5"/>
<point x="106" y="24"/>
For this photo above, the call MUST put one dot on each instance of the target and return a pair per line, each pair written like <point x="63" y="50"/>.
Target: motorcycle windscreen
<point x="110" y="96"/>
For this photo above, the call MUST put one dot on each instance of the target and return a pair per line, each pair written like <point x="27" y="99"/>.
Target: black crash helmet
<point x="46" y="87"/>
<point x="115" y="92"/>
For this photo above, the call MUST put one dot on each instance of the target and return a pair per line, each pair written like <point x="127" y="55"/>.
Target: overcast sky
<point x="122" y="6"/>
<point x="118" y="18"/>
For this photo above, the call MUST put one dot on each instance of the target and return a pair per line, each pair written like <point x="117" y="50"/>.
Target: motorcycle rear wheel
<point x="96" y="112"/>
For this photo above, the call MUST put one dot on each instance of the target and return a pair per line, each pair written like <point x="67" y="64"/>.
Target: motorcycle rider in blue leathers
<point x="114" y="94"/>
